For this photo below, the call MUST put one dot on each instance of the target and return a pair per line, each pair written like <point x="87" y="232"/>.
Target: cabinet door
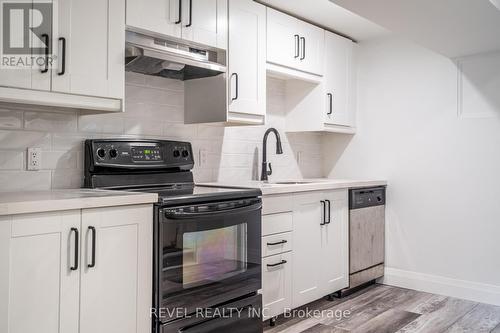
<point x="282" y="39"/>
<point x="307" y="255"/>
<point x="247" y="57"/>
<point x="38" y="290"/>
<point x="157" y="16"/>
<point x="334" y="244"/>
<point x="276" y="284"/>
<point x="338" y="72"/>
<point x="31" y="76"/>
<point x="116" y="282"/>
<point x="95" y="50"/>
<point x="199" y="20"/>
<point x="312" y="45"/>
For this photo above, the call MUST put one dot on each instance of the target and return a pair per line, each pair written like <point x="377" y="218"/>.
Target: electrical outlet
<point x="202" y="157"/>
<point x="34" y="159"/>
<point x="299" y="157"/>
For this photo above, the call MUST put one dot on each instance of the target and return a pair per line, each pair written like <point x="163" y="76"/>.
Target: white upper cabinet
<point x="338" y="80"/>
<point x="90" y="54"/>
<point x="199" y="21"/>
<point x="86" y="53"/>
<point x="328" y="105"/>
<point x="247" y="60"/>
<point x="161" y="16"/>
<point x="293" y="43"/>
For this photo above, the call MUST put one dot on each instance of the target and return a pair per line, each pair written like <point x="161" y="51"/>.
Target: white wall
<point x="443" y="212"/>
<point x="154" y="109"/>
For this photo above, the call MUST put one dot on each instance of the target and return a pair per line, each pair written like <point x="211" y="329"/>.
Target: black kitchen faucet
<point x="279" y="150"/>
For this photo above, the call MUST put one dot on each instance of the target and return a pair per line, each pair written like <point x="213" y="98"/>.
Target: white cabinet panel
<point x="94" y="52"/>
<point x="294" y="43"/>
<point x="247" y="57"/>
<point x="338" y="80"/>
<point x="307" y="216"/>
<point x="335" y="244"/>
<point x="312" y="44"/>
<point x="282" y="39"/>
<point x="276" y="284"/>
<point x="160" y="16"/>
<point x="117" y="285"/>
<point x="41" y="289"/>
<point x="199" y="23"/>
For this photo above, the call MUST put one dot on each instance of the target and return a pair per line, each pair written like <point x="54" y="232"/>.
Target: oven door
<point x="207" y="254"/>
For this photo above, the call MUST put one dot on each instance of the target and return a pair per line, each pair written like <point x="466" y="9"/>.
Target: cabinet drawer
<point x="276" y="204"/>
<point x="277" y="223"/>
<point x="276" y="284"/>
<point x="276" y="244"/>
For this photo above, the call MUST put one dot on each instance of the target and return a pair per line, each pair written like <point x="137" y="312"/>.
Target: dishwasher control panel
<point x="366" y="197"/>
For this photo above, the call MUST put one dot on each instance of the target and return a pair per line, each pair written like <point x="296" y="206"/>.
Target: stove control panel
<point x="144" y="154"/>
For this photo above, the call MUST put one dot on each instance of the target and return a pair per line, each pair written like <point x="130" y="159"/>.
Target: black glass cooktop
<point x="181" y="194"/>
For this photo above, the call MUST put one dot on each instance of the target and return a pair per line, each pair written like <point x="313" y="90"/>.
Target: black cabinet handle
<point x="297" y="46"/>
<point x="190" y="14"/>
<point x="323" y="203"/>
<point x="236" y="87"/>
<point x="75" y="230"/>
<point x="63" y="60"/>
<point x="179" y="20"/>
<point x="92" y="263"/>
<point x="282" y="262"/>
<point x="47" y="50"/>
<point x="330" y="97"/>
<point x="278" y="243"/>
<point x="303" y="48"/>
<point x="329" y="211"/>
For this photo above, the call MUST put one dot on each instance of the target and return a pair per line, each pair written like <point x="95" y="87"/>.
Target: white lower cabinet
<point x="277" y="283"/>
<point x="307" y="249"/>
<point x="50" y="281"/>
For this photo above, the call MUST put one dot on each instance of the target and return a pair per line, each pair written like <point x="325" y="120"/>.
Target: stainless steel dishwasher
<point x="366" y="236"/>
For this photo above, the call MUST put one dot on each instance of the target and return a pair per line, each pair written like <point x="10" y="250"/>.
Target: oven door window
<point x="213" y="255"/>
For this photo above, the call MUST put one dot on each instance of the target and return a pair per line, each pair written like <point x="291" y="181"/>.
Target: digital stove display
<point x="146" y="154"/>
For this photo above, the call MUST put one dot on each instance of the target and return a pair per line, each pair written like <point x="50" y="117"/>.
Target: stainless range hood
<point x="172" y="59"/>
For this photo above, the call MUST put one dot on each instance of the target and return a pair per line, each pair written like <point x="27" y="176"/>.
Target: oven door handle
<point x="173" y="215"/>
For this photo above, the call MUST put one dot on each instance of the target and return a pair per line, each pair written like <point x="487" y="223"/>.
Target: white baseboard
<point x="478" y="292"/>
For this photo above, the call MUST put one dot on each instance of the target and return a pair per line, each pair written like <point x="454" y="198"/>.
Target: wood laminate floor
<point x="385" y="309"/>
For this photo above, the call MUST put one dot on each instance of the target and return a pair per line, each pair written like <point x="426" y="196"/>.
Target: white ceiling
<point x="330" y="16"/>
<point x="453" y="28"/>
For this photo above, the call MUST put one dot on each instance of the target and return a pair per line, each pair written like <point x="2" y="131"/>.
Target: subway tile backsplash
<point x="154" y="109"/>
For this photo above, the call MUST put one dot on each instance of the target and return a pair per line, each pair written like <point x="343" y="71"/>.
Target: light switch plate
<point x="34" y="159"/>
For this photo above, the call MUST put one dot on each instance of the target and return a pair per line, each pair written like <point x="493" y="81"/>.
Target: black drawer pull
<point x="277" y="264"/>
<point x="92" y="264"/>
<point x="278" y="243"/>
<point x="75" y="267"/>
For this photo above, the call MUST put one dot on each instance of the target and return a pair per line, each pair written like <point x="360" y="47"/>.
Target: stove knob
<point x="101" y="153"/>
<point x="113" y="153"/>
<point x="177" y="153"/>
<point x="185" y="153"/>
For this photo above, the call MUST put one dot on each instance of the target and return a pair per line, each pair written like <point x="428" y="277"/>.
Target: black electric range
<point x="207" y="241"/>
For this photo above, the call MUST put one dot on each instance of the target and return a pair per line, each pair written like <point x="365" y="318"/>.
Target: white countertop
<point x="45" y="201"/>
<point x="305" y="185"/>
